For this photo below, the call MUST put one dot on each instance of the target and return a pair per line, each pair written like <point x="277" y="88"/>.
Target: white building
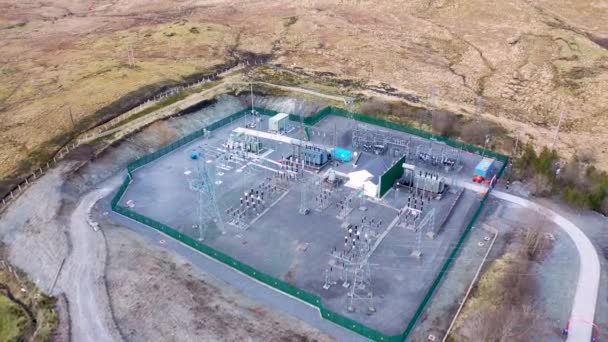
<point x="278" y="123"/>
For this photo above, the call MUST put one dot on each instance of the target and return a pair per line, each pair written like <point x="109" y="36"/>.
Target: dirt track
<point x="82" y="276"/>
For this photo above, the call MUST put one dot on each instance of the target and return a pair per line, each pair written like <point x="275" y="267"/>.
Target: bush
<point x="573" y="196"/>
<point x="587" y="189"/>
<point x="583" y="187"/>
<point x="524" y="164"/>
<point x="571" y="173"/>
<point x="546" y="161"/>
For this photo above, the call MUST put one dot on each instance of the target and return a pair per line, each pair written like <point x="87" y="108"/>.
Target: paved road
<point x="587" y="287"/>
<point x="82" y="277"/>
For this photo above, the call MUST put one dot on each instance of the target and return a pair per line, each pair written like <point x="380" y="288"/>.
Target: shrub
<point x="545" y="162"/>
<point x="579" y="186"/>
<point x="573" y="196"/>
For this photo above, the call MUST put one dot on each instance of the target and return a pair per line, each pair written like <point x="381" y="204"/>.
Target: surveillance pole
<point x="485" y="144"/>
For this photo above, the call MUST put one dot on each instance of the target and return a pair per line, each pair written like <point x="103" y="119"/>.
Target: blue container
<point x="194" y="155"/>
<point x="342" y="154"/>
<point x="485" y="168"/>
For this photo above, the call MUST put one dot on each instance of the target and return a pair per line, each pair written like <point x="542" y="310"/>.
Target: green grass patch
<point x="46" y="317"/>
<point x="13" y="321"/>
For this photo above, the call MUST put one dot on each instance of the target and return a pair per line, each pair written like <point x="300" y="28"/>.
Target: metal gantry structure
<point x="361" y="289"/>
<point x="355" y="270"/>
<point x="439" y="156"/>
<point x="427" y="222"/>
<point x="345" y="206"/>
<point x="379" y="141"/>
<point x="200" y="181"/>
<point x="253" y="116"/>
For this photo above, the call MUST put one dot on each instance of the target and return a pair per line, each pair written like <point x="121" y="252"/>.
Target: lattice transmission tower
<point x="201" y="182"/>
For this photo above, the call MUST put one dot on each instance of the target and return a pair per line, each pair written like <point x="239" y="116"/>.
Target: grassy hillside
<point x="67" y="66"/>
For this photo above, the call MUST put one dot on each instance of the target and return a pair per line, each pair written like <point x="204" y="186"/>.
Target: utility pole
<point x="130" y="55"/>
<point x="251" y="85"/>
<point x="72" y="118"/>
<point x="559" y="123"/>
<point x="335" y="136"/>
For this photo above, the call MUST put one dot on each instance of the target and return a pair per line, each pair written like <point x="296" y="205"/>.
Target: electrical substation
<point x="360" y="215"/>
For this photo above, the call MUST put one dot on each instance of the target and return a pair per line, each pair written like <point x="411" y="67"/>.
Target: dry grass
<point x="502" y="306"/>
<point x="530" y="60"/>
<point x="88" y="73"/>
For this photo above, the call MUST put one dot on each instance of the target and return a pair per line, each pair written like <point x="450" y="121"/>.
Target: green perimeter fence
<point x="303" y="295"/>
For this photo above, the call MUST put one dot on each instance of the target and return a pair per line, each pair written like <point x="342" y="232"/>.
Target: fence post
<point x="19" y="186"/>
<point x="12" y="195"/>
<point x="26" y="182"/>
